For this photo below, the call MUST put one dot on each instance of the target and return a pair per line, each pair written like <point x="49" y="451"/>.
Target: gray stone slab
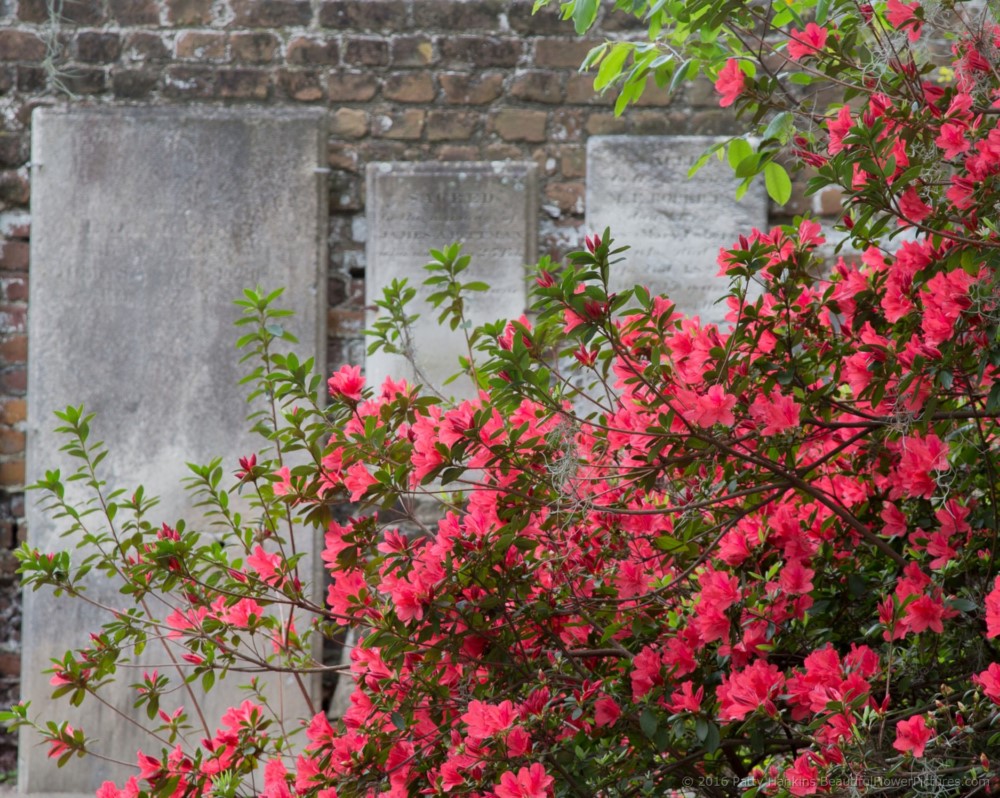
<point x="146" y="225"/>
<point x="491" y="208"/>
<point x="638" y="185"/>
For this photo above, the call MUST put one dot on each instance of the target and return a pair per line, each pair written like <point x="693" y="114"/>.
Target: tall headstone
<point x="146" y="225"/>
<point x="675" y="226"/>
<point x="491" y="209"/>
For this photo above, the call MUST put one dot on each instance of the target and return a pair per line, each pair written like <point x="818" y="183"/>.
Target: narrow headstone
<point x="675" y="226"/>
<point x="146" y="225"/>
<point x="491" y="208"/>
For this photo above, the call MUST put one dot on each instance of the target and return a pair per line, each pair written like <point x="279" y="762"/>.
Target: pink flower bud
<point x="593" y="241"/>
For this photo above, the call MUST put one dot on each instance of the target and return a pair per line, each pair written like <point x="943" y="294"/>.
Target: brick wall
<point x="403" y="80"/>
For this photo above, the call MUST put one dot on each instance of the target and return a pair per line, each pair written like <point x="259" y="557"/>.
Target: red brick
<point x="563" y="53"/>
<point x="14" y="350"/>
<point x="243" y="84"/>
<point x="546" y="21"/>
<point x="350" y="123"/>
<point x="259" y="47"/>
<point x="98" y="47"/>
<point x="480" y="51"/>
<point x="515" y="124"/>
<point x="271" y="13"/>
<point x="13" y="411"/>
<point x="343" y="322"/>
<point x="616" y="20"/>
<point x="462" y="88"/>
<point x="85" y="80"/>
<point x="18" y="45"/>
<point x="651" y="123"/>
<point x="14" y="288"/>
<point x="364" y="15"/>
<point x="406" y="125"/>
<point x="454" y="152"/>
<point x="498" y="151"/>
<point x="143" y="46"/>
<point x="304" y="51"/>
<point x="603" y="124"/>
<point x="342" y="156"/>
<point x="13" y="150"/>
<point x="190" y="81"/>
<point x="12" y="474"/>
<point x="654" y="96"/>
<point x="30" y="80"/>
<point x="412" y="51"/>
<point x="537" y="86"/>
<point x="134" y="84"/>
<point x="831" y="202"/>
<point x="351" y="86"/>
<point x="189" y="12"/>
<point x="573" y="161"/>
<point x="345" y="192"/>
<point x="201" y="45"/>
<point x="366" y="51"/>
<point x="135" y="12"/>
<point x="76" y="12"/>
<point x="580" y="89"/>
<point x="567" y="124"/>
<point x="301" y="85"/>
<point x="14" y="381"/>
<point x="458" y="14"/>
<point x="451" y="125"/>
<point x="11" y="441"/>
<point x="10" y="663"/>
<point x="409" y="87"/>
<point x="14" y="256"/>
<point x="13" y="319"/>
<point x="568" y="197"/>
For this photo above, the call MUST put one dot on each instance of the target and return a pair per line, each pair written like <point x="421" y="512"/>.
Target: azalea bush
<point x="651" y="554"/>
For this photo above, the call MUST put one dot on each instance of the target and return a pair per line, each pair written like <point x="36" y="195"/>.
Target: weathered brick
<point x="351" y="86"/>
<point x="462" y="88"/>
<point x="8" y="78"/>
<point x="31" y="79"/>
<point x="98" y="47"/>
<point x="568" y="197"/>
<point x="134" y="84"/>
<point x="189" y="12"/>
<point x="201" y="45"/>
<point x="615" y="20"/>
<point x="135" y="12"/>
<point x="412" y="51"/>
<point x="349" y="123"/>
<point x="364" y="15"/>
<point x="406" y="125"/>
<point x="830" y="202"/>
<point x="567" y="124"/>
<point x="14" y="187"/>
<point x="345" y="191"/>
<point x="562" y="53"/>
<point x="304" y="51"/>
<point x="716" y="122"/>
<point x="259" y="47"/>
<point x="13" y="411"/>
<point x="580" y="90"/>
<point x="573" y="161"/>
<point x="345" y="322"/>
<point x="143" y="46"/>
<point x="499" y="151"/>
<point x="14" y="288"/>
<point x="603" y="124"/>
<point x="342" y="156"/>
<point x="13" y="150"/>
<point x="537" y="86"/>
<point x="76" y="12"/>
<point x="14" y="256"/>
<point x="451" y="125"/>
<point x="366" y="51"/>
<point x="546" y="21"/>
<point x="457" y="152"/>
<point x="516" y="124"/>
<point x="301" y="85"/>
<point x="20" y="45"/>
<point x="190" y="81"/>
<point x="654" y="96"/>
<point x="409" y="87"/>
<point x="651" y="123"/>
<point x="13" y="319"/>
<point x="480" y="51"/>
<point x="243" y="84"/>
<point x="12" y="474"/>
<point x="271" y="13"/>
<point x="458" y="14"/>
<point x="11" y="440"/>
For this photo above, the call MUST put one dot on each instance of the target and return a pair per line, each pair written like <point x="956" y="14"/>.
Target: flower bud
<point x="593" y="241"/>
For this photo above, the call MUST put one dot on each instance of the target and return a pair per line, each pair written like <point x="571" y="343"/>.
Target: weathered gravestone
<point x="146" y="225"/>
<point x="675" y="226"/>
<point x="491" y="208"/>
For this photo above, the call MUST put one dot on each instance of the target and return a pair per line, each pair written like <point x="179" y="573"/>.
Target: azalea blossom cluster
<point x="650" y="554"/>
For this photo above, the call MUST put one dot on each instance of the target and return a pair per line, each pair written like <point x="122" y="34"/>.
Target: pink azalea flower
<point x="808" y="42"/>
<point x="730" y="82"/>
<point x="531" y="782"/>
<point x="912" y="736"/>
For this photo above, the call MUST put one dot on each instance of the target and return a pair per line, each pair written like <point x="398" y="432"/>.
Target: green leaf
<point x="779" y="184"/>
<point x="584" y="14"/>
<point x="648" y="723"/>
<point x="611" y="66"/>
<point x="738" y="151"/>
